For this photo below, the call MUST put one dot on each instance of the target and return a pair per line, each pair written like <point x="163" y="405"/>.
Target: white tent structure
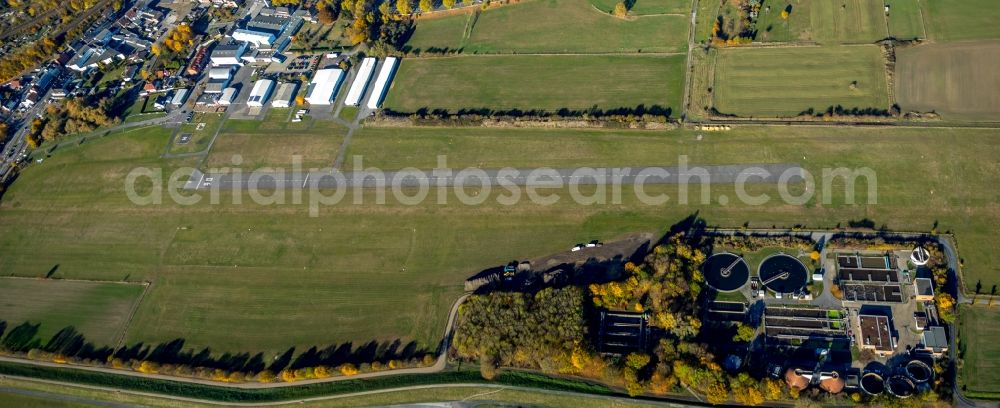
<point x="324" y="86"/>
<point x="382" y="82"/>
<point x="357" y="90"/>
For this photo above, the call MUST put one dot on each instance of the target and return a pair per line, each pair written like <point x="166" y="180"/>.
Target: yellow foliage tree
<point x="620" y="9"/>
<point x="348" y="369"/>
<point x="322" y="372"/>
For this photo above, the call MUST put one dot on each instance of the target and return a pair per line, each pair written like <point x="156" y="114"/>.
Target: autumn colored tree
<point x="488" y="368"/>
<point x="265" y="376"/>
<point x="448" y="4"/>
<point x="636" y="360"/>
<point x="946" y="307"/>
<point x="620" y="9"/>
<point x="325" y="15"/>
<point x="348" y="369"/>
<point x="426" y="5"/>
<point x="771" y="389"/>
<point x="744" y="333"/>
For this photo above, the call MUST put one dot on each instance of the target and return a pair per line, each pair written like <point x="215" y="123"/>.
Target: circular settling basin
<point x="783" y="273"/>
<point x="726" y="272"/>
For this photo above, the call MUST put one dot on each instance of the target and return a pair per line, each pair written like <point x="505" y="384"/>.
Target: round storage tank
<point x="726" y="272"/>
<point x="783" y="273"/>
<point x="872" y="384"/>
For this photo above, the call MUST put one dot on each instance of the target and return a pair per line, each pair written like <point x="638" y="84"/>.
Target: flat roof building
<point x="360" y="83"/>
<point x="324" y="86"/>
<point x="228" y="54"/>
<point x="179" y="96"/>
<point x="220" y="73"/>
<point x="923" y="289"/>
<point x="215" y="86"/>
<point x="227" y="96"/>
<point x="935" y="340"/>
<point x="257" y="38"/>
<point x="267" y="23"/>
<point x="286" y="93"/>
<point x="260" y="92"/>
<point x="382" y="82"/>
<point x="876" y="333"/>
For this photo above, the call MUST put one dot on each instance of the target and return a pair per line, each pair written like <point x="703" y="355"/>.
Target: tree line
<point x="68" y="346"/>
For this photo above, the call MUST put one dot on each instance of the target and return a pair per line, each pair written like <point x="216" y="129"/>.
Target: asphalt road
<point x="329" y="179"/>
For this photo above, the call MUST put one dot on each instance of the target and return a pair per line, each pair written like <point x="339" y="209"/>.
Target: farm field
<point x="782" y="82"/>
<point x="980" y="375"/>
<point x="551" y="26"/>
<point x="825" y="22"/>
<point x="263" y="278"/>
<point x="905" y="19"/>
<point x="96" y="310"/>
<point x="957" y="80"/>
<point x="537" y="82"/>
<point x="957" y="20"/>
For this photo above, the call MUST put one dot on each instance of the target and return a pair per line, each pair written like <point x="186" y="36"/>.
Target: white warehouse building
<point x="382" y="82"/>
<point x="357" y="90"/>
<point x="227" y="97"/>
<point x="256" y="38"/>
<point x="260" y="92"/>
<point x="324" y="86"/>
<point x="285" y="95"/>
<point x="220" y="73"/>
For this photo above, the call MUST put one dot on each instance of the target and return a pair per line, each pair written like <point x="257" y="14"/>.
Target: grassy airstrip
<point x="273" y="143"/>
<point x="551" y="26"/>
<point x="264" y="277"/>
<point x="785" y="81"/>
<point x="98" y="310"/>
<point x="520" y="82"/>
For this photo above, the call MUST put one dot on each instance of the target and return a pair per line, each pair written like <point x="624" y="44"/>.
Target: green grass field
<point x="445" y="393"/>
<point x="825" y="22"/>
<point x="980" y="374"/>
<point x="551" y="26"/>
<point x="97" y="310"/>
<point x="263" y="278"/>
<point x="648" y="7"/>
<point x="440" y="32"/>
<point x="538" y="82"/>
<point x="905" y="19"/>
<point x="199" y="138"/>
<point x="957" y="20"/>
<point x="785" y="81"/>
<point x="257" y="151"/>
